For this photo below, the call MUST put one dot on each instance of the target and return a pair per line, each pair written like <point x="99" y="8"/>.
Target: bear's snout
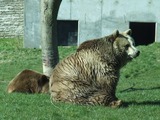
<point x="138" y="53"/>
<point x="134" y="54"/>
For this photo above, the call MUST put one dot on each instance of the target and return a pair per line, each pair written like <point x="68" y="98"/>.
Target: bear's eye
<point x="127" y="46"/>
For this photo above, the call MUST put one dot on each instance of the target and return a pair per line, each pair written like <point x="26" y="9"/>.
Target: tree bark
<point x="50" y="56"/>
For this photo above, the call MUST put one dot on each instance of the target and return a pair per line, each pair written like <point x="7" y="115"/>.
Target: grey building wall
<point x="89" y="16"/>
<point x="11" y="18"/>
<point x="118" y="14"/>
<point x="98" y="18"/>
<point x="32" y="29"/>
<point x="101" y="17"/>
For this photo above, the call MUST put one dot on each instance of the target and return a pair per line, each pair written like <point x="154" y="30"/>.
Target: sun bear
<point x="29" y="81"/>
<point x="90" y="76"/>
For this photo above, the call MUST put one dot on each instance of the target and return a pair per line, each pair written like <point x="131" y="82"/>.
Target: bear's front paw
<point x="116" y="103"/>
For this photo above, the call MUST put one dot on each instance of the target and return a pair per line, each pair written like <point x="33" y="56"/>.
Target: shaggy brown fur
<point x="90" y="75"/>
<point x="29" y="81"/>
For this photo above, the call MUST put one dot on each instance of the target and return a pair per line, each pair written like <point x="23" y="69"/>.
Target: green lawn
<point x="139" y="87"/>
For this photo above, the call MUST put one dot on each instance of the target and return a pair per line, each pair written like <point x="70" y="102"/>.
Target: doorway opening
<point x="67" y="32"/>
<point x="142" y="32"/>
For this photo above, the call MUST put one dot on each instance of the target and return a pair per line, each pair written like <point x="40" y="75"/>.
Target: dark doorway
<point x="67" y="32"/>
<point x="143" y="33"/>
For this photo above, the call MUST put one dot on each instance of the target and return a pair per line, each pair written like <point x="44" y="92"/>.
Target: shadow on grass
<point x="132" y="89"/>
<point x="148" y="103"/>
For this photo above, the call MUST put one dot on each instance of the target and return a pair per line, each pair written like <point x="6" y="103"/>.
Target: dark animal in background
<point x="29" y="81"/>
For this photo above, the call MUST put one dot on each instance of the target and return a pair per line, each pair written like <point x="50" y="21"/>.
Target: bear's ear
<point x="116" y="34"/>
<point x="128" y="32"/>
<point x="43" y="80"/>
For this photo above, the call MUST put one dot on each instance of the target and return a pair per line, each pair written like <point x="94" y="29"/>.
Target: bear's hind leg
<point x="116" y="103"/>
<point x="102" y="98"/>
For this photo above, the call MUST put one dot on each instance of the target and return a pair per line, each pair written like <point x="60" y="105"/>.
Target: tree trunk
<point x="50" y="56"/>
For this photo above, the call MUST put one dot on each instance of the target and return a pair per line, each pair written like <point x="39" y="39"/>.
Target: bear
<point x="29" y="81"/>
<point x="91" y="74"/>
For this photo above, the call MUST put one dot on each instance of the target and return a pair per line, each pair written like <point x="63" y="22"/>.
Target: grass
<point x="139" y="87"/>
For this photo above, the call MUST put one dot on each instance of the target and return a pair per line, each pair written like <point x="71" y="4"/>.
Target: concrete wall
<point x="11" y="18"/>
<point x="118" y="14"/>
<point x="32" y="29"/>
<point x="89" y="15"/>
<point x="101" y="17"/>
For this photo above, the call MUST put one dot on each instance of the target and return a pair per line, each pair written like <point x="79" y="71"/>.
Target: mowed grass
<point x="139" y="87"/>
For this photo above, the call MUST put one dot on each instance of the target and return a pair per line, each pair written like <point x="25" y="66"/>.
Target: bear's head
<point x="116" y="49"/>
<point x="43" y="83"/>
<point x="124" y="46"/>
